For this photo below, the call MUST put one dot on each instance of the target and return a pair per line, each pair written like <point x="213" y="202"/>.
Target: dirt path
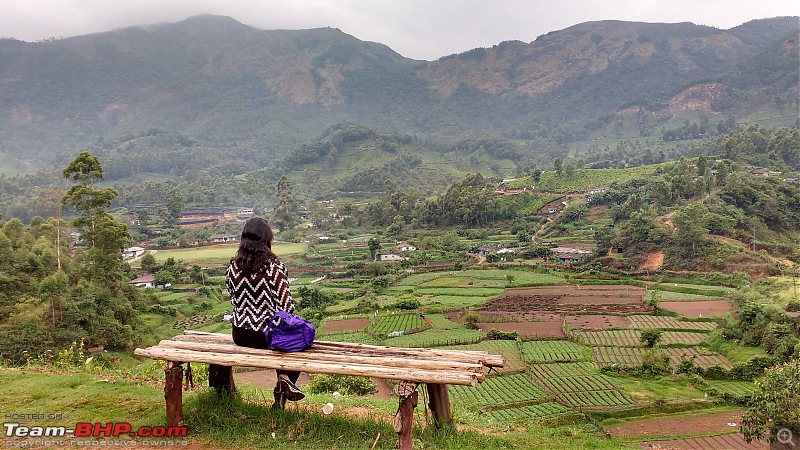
<point x="679" y="425"/>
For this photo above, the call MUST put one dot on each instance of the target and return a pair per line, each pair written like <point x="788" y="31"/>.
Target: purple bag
<point x="291" y="334"/>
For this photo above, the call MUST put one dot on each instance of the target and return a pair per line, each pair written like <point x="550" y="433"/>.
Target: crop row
<point x="397" y="322"/>
<point x="610" y="338"/>
<point x="630" y="357"/>
<point x="551" y="351"/>
<point x="436" y="338"/>
<point x="500" y="390"/>
<point x="358" y="337"/>
<point x="682" y="337"/>
<point x="642" y="322"/>
<point x="597" y="399"/>
<point x="559" y="370"/>
<point x="531" y="412"/>
<point x="581" y="384"/>
<point x="508" y="349"/>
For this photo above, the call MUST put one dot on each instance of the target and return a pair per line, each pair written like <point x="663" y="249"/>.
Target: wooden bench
<point x="434" y="367"/>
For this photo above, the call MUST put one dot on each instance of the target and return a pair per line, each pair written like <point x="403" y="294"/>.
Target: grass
<point x="648" y="390"/>
<point x="247" y="421"/>
<point x="737" y="354"/>
<point x="219" y="255"/>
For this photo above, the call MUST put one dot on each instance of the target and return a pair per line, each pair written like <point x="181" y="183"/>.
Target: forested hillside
<point x="242" y="95"/>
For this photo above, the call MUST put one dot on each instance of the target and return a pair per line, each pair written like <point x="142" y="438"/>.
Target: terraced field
<point x="578" y="385"/>
<point x="551" y="351"/>
<point x="641" y="322"/>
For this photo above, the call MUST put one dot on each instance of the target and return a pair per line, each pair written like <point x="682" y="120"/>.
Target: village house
<point x="569" y="255"/>
<point x="220" y="238"/>
<point x="386" y="256"/>
<point x="760" y="172"/>
<point x="132" y="252"/>
<point x="403" y="247"/>
<point x="486" y="249"/>
<point x="143" y="281"/>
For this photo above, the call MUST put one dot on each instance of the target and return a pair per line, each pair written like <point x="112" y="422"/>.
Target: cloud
<point x="421" y="29"/>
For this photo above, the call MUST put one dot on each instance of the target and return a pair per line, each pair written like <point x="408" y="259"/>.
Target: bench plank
<point x="470" y="356"/>
<point x="365" y="370"/>
<point x="313" y="355"/>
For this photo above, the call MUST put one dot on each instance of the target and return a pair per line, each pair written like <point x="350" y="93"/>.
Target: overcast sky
<point x="419" y="29"/>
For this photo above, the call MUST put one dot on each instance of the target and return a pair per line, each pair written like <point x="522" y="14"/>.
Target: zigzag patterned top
<point x="256" y="297"/>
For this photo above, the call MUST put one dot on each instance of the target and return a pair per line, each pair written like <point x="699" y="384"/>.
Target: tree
<point x="285" y="205"/>
<point x="103" y="235"/>
<point x="374" y="246"/>
<point x="558" y="165"/>
<point x="148" y="262"/>
<point x="775" y="407"/>
<point x="690" y="223"/>
<point x="175" y="201"/>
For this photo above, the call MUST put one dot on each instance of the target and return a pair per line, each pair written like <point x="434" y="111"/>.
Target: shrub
<point x="651" y="337"/>
<point x="344" y="384"/>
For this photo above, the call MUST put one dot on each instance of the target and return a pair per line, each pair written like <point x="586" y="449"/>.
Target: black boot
<point x="288" y="389"/>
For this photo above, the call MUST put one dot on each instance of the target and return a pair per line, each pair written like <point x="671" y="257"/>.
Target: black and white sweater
<point x="257" y="296"/>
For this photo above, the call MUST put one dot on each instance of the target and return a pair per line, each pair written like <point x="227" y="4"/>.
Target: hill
<point x="258" y="94"/>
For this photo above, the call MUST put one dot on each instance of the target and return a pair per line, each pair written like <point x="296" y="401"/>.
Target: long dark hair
<point x="255" y="247"/>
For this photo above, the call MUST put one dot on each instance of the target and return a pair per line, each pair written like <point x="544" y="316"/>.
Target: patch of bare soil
<point x="654" y="261"/>
<point x="678" y="425"/>
<point x="355" y="324"/>
<point x="734" y="441"/>
<point x="705" y="308"/>
<point x="597" y="321"/>
<point x="529" y="330"/>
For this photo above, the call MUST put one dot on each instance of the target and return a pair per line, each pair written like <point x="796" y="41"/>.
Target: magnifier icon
<point x="784" y="436"/>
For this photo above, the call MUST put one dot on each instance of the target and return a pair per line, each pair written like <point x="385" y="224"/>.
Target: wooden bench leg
<point x="404" y="420"/>
<point x="439" y="403"/>
<point x="221" y="378"/>
<point x="173" y="393"/>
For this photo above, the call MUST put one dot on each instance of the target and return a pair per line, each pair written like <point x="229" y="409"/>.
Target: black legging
<point x="257" y="339"/>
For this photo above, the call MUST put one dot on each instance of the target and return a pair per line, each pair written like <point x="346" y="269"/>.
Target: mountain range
<point x="258" y="94"/>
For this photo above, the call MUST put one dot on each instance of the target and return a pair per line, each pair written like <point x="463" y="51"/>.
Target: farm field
<point x="500" y="390"/>
<point x="529" y="330"/>
<point x="578" y="385"/>
<point x="640" y="322"/>
<point x="552" y="351"/>
<point x="632" y="338"/>
<point x="695" y="310"/>
<point x="597" y="321"/>
<point x="547" y="378"/>
<point x="219" y="255"/>
<point x="632" y="356"/>
<point x="509" y="349"/>
<point x="684" y="425"/>
<point x="357" y="323"/>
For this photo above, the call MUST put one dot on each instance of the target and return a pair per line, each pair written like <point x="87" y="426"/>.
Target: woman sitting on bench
<point x="259" y="287"/>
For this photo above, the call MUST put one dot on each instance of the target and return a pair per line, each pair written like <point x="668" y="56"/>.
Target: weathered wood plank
<point x="439" y="403"/>
<point x="365" y="370"/>
<point x="310" y="355"/>
<point x="469" y="356"/>
<point x="173" y="392"/>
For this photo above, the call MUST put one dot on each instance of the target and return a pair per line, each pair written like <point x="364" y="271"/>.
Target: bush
<point x="407" y="304"/>
<point x="497" y="335"/>
<point x="344" y="384"/>
<point x="651" y="337"/>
